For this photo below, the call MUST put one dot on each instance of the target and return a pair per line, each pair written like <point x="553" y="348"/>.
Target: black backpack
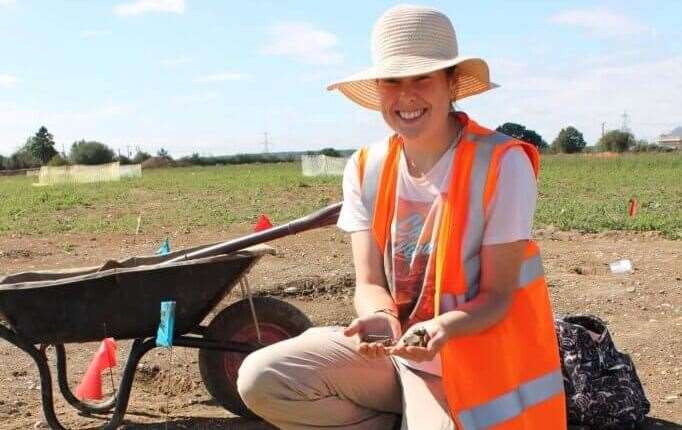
<point x="601" y="384"/>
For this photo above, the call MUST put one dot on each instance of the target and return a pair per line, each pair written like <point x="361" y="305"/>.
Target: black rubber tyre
<point x="277" y="320"/>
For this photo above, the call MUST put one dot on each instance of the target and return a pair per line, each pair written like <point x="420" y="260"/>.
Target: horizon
<point x="212" y="78"/>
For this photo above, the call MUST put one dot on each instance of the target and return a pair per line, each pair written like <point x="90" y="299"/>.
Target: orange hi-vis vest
<point x="509" y="375"/>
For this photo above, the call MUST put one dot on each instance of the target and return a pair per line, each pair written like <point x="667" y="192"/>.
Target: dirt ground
<point x="643" y="311"/>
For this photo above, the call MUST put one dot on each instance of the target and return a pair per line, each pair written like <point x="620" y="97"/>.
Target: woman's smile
<point x="411" y="116"/>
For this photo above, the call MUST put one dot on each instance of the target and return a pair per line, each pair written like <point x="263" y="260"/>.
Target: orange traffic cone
<point x="90" y="387"/>
<point x="263" y="223"/>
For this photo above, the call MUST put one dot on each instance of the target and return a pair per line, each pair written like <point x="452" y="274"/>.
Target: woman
<point x="440" y="218"/>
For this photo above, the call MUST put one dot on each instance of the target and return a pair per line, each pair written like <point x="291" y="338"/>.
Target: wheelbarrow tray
<point x="121" y="298"/>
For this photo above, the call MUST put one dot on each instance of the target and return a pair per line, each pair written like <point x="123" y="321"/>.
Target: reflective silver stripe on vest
<point x="376" y="154"/>
<point x="512" y="404"/>
<point x="449" y="301"/>
<point x="494" y="139"/>
<point x="531" y="269"/>
<point x="471" y="248"/>
<point x="472" y="268"/>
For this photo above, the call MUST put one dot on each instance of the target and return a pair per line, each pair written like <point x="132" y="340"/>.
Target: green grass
<point x="591" y="194"/>
<point x="576" y="192"/>
<point x="171" y="199"/>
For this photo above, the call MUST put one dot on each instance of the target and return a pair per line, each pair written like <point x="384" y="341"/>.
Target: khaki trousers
<point x="318" y="381"/>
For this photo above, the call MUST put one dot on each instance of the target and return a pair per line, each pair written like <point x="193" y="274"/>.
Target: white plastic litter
<point x="621" y="266"/>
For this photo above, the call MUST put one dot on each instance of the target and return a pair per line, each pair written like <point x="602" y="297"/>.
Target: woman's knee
<point x="291" y="369"/>
<point x="258" y="381"/>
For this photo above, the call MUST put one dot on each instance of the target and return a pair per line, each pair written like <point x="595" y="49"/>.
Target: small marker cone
<point x="263" y="223"/>
<point x="90" y="387"/>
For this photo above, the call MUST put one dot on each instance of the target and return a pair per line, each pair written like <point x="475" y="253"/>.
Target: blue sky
<point x="212" y="76"/>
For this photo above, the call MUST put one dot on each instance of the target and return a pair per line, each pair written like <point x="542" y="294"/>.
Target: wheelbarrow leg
<point x="62" y="379"/>
<point x="39" y="358"/>
<point x="139" y="349"/>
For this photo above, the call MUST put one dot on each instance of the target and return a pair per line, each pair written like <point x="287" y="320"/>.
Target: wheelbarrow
<point x="39" y="309"/>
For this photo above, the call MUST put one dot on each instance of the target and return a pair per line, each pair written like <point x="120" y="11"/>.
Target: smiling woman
<point x="440" y="217"/>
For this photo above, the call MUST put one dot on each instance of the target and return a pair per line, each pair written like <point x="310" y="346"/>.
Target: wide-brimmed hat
<point x="409" y="41"/>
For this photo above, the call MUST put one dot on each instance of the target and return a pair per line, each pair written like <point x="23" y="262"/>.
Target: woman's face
<point x="416" y="106"/>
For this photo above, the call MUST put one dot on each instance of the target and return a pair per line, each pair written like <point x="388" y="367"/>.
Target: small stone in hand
<point x="379" y="338"/>
<point x="418" y="337"/>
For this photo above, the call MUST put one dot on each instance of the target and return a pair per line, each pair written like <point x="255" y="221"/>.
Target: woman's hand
<point x="377" y="324"/>
<point x="436" y="335"/>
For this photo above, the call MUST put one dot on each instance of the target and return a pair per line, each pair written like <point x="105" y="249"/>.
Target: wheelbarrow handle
<point x="323" y="217"/>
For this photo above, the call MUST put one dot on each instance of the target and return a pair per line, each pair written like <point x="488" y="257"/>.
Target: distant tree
<point x="330" y="152"/>
<point x="518" y="131"/>
<point x="642" y="145"/>
<point x="123" y="160"/>
<point x="41" y="146"/>
<point x="58" y="160"/>
<point x="569" y="141"/>
<point x="90" y="152"/>
<point x="22" y="158"/>
<point x="195" y="159"/>
<point x="616" y="141"/>
<point x="141" y="156"/>
<point x="164" y="153"/>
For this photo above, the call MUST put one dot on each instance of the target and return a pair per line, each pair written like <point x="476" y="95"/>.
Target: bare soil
<point x="314" y="272"/>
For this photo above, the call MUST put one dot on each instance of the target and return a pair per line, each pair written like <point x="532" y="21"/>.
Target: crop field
<point x="575" y="193"/>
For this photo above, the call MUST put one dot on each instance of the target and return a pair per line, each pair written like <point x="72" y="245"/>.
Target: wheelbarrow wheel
<point x="277" y="321"/>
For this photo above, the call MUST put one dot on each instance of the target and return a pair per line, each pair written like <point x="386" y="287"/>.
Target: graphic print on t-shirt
<point x="412" y="243"/>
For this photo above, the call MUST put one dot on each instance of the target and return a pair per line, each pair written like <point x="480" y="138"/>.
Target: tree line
<point x="570" y="140"/>
<point x="39" y="150"/>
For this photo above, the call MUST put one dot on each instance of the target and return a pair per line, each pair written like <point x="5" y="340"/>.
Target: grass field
<point x="576" y="192"/>
<point x="591" y="194"/>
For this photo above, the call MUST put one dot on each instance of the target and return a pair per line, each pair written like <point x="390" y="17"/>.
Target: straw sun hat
<point x="409" y="41"/>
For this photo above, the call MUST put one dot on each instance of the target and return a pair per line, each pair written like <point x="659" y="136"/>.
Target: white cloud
<point x="601" y="22"/>
<point x="8" y="80"/>
<point x="150" y="6"/>
<point x="585" y="96"/>
<point x="221" y="77"/>
<point x="7" y="2"/>
<point x="304" y="42"/>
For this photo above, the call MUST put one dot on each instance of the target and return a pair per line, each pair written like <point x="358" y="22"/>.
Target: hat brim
<point x="472" y="77"/>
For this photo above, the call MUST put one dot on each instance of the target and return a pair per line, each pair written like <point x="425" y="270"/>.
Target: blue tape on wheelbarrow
<point x="164" y="336"/>
<point x="165" y="248"/>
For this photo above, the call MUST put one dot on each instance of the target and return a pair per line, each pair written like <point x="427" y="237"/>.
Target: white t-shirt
<point x="413" y="231"/>
<point x="510" y="214"/>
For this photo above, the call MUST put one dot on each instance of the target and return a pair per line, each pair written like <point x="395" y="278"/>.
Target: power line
<point x="625" y="124"/>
